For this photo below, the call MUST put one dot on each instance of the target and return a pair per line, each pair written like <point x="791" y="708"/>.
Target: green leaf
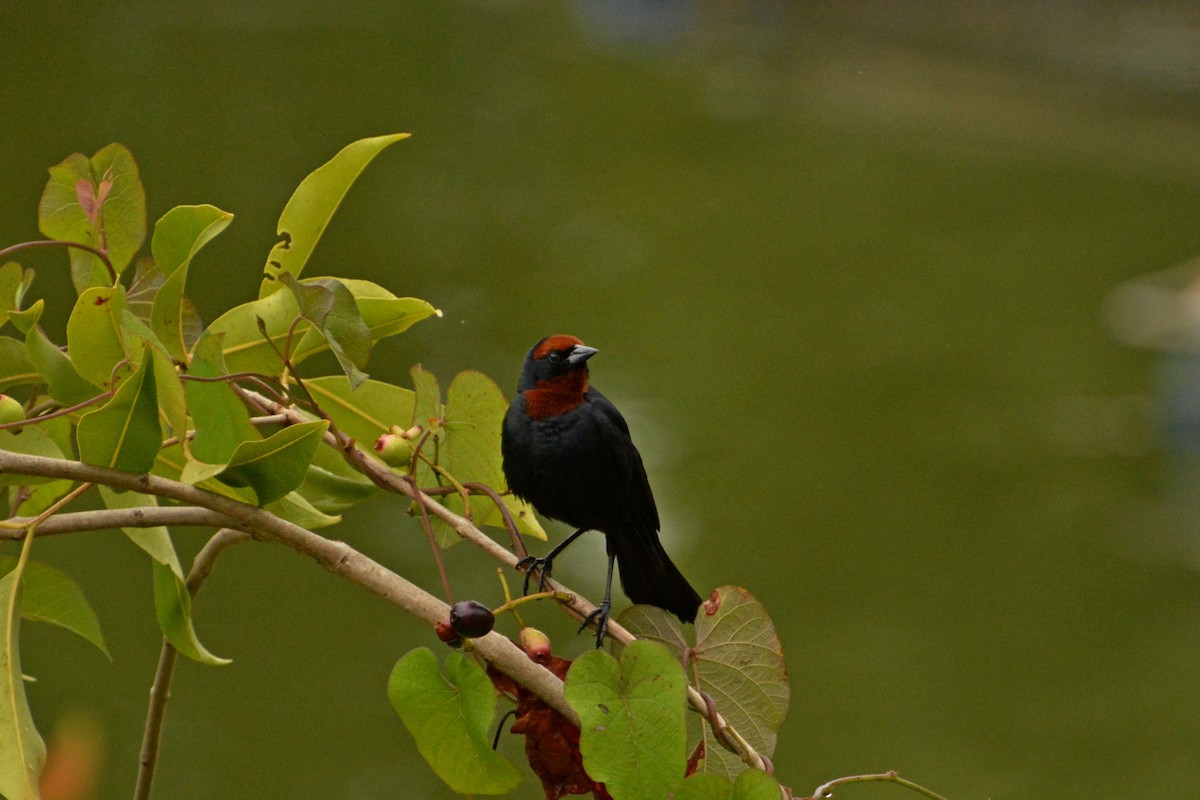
<point x="50" y="595"/>
<point x="632" y="733"/>
<point x="754" y="784"/>
<point x="28" y="440"/>
<point x="243" y="347"/>
<point x="124" y="433"/>
<point x="98" y="202"/>
<point x="63" y="381"/>
<point x="178" y="236"/>
<point x="295" y="508"/>
<point x="24" y="320"/>
<point x="468" y="448"/>
<point x="220" y="419"/>
<point x="94" y="338"/>
<point x="14" y="281"/>
<point x="173" y="607"/>
<point x="449" y="717"/>
<point x="276" y="465"/>
<point x="15" y="367"/>
<point x="705" y="786"/>
<point x="332" y="486"/>
<point x="147" y="282"/>
<point x="38" y="497"/>
<point x="313" y="204"/>
<point x="382" y="312"/>
<point x="429" y="397"/>
<point x="365" y="413"/>
<point x="172" y="402"/>
<point x="330" y="307"/>
<point x="24" y="752"/>
<point x="737" y="659"/>
<point x="751" y="784"/>
<point x="172" y="602"/>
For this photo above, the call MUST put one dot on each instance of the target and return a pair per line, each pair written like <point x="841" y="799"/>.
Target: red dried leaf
<point x="551" y="742"/>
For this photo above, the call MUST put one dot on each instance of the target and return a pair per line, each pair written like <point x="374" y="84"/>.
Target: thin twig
<point x="16" y="248"/>
<point x="427" y="526"/>
<point x="62" y="412"/>
<point x="825" y="790"/>
<point x="160" y="691"/>
<point x="510" y="524"/>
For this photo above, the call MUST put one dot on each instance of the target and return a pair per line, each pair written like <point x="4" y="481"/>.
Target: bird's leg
<point x="600" y="613"/>
<point x="544" y="564"/>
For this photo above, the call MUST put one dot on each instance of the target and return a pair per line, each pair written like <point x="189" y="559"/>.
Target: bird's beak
<point x="580" y="353"/>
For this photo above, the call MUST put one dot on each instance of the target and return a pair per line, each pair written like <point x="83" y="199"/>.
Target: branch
<point x="337" y="557"/>
<point x="104" y="519"/>
<point x="578" y="606"/>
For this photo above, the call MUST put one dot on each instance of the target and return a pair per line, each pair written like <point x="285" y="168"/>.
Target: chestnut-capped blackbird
<point x="567" y="450"/>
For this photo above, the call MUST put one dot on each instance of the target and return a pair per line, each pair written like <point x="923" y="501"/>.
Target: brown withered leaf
<point x="551" y="742"/>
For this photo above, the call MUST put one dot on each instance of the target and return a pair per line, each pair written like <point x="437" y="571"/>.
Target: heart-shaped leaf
<point x="99" y="202"/>
<point x="449" y="717"/>
<point x="631" y="713"/>
<point x="737" y="659"/>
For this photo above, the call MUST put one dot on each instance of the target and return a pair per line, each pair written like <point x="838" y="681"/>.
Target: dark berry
<point x="471" y="619"/>
<point x="446" y="634"/>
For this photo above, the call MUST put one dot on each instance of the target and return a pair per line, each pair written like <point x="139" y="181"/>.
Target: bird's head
<point x="558" y="359"/>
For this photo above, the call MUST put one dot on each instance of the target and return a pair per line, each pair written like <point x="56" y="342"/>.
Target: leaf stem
<point x="62" y="412"/>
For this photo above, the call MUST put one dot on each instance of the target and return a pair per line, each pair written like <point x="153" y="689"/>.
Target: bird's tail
<point x="648" y="576"/>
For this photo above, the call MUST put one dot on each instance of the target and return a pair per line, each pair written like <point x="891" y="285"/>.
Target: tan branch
<point x="104" y="519"/>
<point x="337" y="557"/>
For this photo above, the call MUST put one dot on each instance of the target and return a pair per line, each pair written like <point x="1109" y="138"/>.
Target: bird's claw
<point x="599" y="615"/>
<point x="531" y="563"/>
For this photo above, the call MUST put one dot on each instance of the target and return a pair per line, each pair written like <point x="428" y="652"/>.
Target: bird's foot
<point x="530" y="563"/>
<point x="599" y="615"/>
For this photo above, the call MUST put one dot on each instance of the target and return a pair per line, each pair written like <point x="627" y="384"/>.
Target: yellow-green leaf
<point x="23" y="752"/>
<point x="276" y="465"/>
<point x="94" y="338"/>
<point x="631" y="719"/>
<point x="178" y="236"/>
<point x="63" y="381"/>
<point x="124" y="433"/>
<point x="737" y="658"/>
<point x="221" y="420"/>
<point x="50" y="595"/>
<point x="99" y="202"/>
<point x="313" y="204"/>
<point x="15" y="367"/>
<point x="172" y="603"/>
<point x="449" y="716"/>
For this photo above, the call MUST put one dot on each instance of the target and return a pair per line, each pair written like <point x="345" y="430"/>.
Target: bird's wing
<point x="634" y="493"/>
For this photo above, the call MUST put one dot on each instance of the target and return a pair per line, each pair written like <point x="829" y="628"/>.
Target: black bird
<point x="567" y="450"/>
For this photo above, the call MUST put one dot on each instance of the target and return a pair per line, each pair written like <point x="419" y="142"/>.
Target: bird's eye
<point x="555" y="357"/>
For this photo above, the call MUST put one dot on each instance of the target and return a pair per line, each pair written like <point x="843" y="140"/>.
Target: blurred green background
<point x="847" y="266"/>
